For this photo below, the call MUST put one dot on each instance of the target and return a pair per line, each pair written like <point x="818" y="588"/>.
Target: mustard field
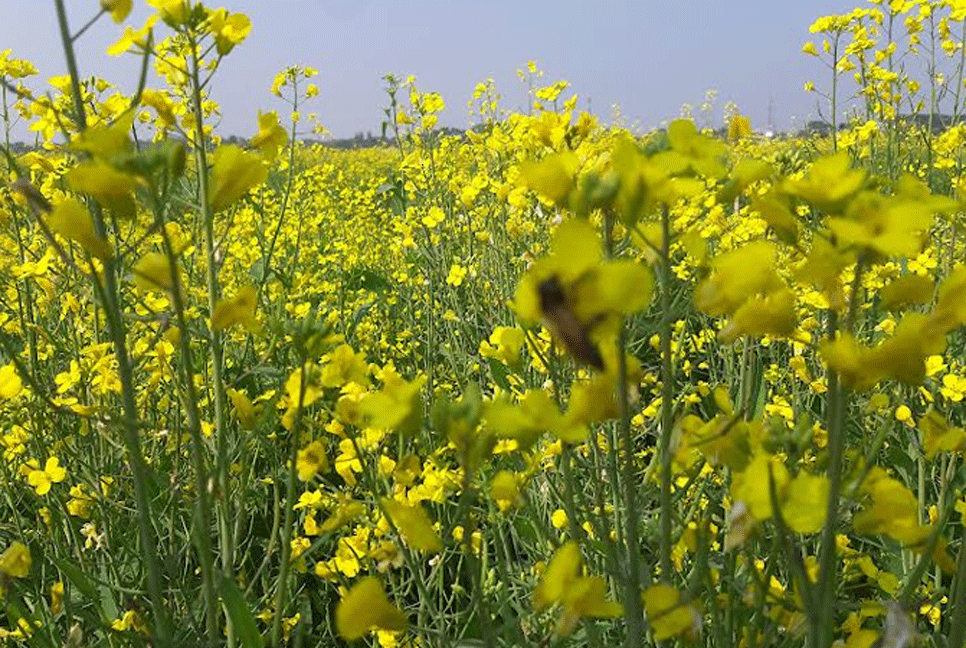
<point x="547" y="382"/>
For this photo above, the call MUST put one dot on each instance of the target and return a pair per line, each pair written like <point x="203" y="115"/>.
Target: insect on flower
<point x="560" y="318"/>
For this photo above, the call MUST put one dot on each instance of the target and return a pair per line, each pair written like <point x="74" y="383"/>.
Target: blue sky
<point x="646" y="56"/>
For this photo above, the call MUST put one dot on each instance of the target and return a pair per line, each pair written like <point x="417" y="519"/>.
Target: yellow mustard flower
<point x="271" y="137"/>
<point x="119" y="9"/>
<point x="73" y="221"/>
<point x="56" y="597"/>
<point x="234" y="172"/>
<point x="578" y="596"/>
<point x="15" y="560"/>
<point x="173" y="12"/>
<point x="133" y="38"/>
<point x="239" y="309"/>
<point x="364" y="608"/>
<point x="668" y="614"/>
<point x="414" y="524"/>
<point x="311" y="460"/>
<point x="10" y="383"/>
<point x="228" y="29"/>
<point x="111" y="188"/>
<point x="52" y="473"/>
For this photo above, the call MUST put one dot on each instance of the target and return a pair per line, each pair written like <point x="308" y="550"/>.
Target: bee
<point x="560" y="318"/>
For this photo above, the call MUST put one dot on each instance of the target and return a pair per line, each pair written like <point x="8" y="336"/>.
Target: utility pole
<point x="771" y="117"/>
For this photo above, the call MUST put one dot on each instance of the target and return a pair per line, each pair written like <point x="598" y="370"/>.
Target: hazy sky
<point x="646" y="56"/>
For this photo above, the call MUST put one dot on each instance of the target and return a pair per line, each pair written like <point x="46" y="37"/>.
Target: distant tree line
<point x="940" y="122"/>
<point x="368" y="140"/>
<point x="360" y="140"/>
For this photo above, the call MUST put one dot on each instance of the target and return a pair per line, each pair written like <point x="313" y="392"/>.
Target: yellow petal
<point x="233" y="173"/>
<point x="111" y="188"/>
<point x="153" y="272"/>
<point x="909" y="290"/>
<point x="311" y="460"/>
<point x="739" y="274"/>
<point x="244" y="409"/>
<point x="307" y="393"/>
<point x="15" y="561"/>
<point x="623" y="287"/>
<point x="71" y="220"/>
<point x="938" y="436"/>
<point x="119" y="9"/>
<point x="576" y="249"/>
<point x="240" y="309"/>
<point x="562" y="571"/>
<point x="804" y="510"/>
<point x="551" y="177"/>
<point x="753" y="486"/>
<point x="414" y="525"/>
<point x="10" y="383"/>
<point x="366" y="607"/>
<point x="666" y="614"/>
<point x="271" y="137"/>
<point x="738" y="127"/>
<point x="504" y="487"/>
<point x="106" y="140"/>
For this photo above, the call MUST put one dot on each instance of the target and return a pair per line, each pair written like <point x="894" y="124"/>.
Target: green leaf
<point x="78" y="578"/>
<point x="357" y="318"/>
<point x="241" y="615"/>
<point x="258" y="272"/>
<point x="499" y="372"/>
<point x="367" y="279"/>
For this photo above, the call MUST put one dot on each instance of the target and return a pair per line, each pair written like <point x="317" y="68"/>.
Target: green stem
<point x="822" y="620"/>
<point x="576" y="530"/>
<point x="633" y="612"/>
<point x="90" y="23"/>
<point x="214" y="291"/>
<point x="835" y="88"/>
<point x="117" y="331"/>
<point x="368" y="473"/>
<point x="667" y="396"/>
<point x="284" y="205"/>
<point x="203" y="523"/>
<point x="957" y="616"/>
<point x="281" y="583"/>
<point x="474" y="564"/>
